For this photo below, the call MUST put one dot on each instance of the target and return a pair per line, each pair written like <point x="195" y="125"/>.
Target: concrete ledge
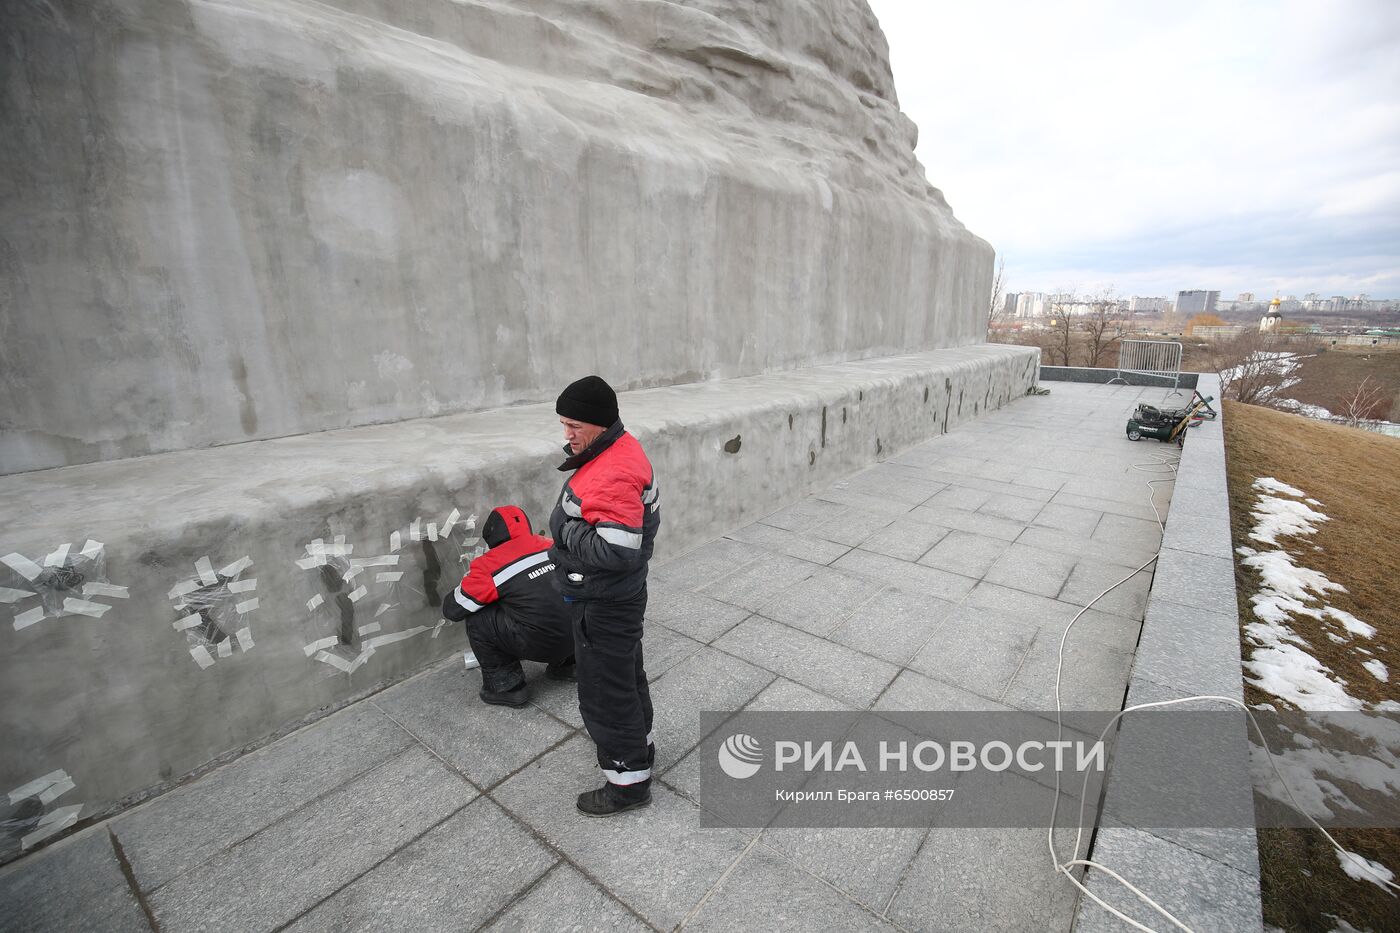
<point x="1102" y="375"/>
<point x="1190" y="645"/>
<point x="121" y="704"/>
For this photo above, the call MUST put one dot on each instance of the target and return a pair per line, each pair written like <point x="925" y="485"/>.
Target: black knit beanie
<point x="590" y="400"/>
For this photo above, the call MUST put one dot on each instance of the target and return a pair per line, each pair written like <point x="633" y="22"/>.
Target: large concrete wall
<point x="122" y="698"/>
<point x="224" y="220"/>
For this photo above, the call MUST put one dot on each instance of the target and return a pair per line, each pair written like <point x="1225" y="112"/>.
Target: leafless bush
<point x="1362" y="404"/>
<point x="1104" y="326"/>
<point x="1253" y="367"/>
<point x="997" y="313"/>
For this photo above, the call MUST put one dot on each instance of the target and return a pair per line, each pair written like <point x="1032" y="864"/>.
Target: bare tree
<point x="1060" y="333"/>
<point x="1253" y="367"/>
<point x="996" y="310"/>
<point x="1361" y="404"/>
<point x="1103" y="324"/>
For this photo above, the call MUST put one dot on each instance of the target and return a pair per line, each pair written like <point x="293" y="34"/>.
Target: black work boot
<point x="504" y="688"/>
<point x="612" y="799"/>
<point x="562" y="670"/>
<point x="515" y="699"/>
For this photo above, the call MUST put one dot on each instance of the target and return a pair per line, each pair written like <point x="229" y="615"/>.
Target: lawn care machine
<point x="1169" y="424"/>
<point x="1201" y="404"/>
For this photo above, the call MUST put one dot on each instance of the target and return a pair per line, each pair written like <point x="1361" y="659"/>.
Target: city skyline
<point x="1152" y="149"/>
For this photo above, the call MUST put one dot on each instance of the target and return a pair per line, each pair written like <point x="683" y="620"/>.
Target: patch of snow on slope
<point x="1360" y="868"/>
<point x="1279" y="661"/>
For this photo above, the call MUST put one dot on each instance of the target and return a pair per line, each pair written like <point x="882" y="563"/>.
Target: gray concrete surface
<point x="225" y="220"/>
<point x="124" y="708"/>
<point x="421" y="808"/>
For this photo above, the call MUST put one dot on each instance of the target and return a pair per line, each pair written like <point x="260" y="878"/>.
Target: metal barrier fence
<point x="1150" y="357"/>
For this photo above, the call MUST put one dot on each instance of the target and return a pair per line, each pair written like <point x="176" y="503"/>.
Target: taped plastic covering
<point x="360" y="601"/>
<point x="213" y="607"/>
<point x="66" y="582"/>
<point x="29" y="816"/>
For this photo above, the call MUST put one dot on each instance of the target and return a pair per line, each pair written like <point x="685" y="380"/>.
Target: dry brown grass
<point x="1329" y="378"/>
<point x="1356" y="476"/>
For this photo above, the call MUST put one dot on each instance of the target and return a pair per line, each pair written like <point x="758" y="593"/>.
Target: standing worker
<point x="511" y="609"/>
<point x="603" y="528"/>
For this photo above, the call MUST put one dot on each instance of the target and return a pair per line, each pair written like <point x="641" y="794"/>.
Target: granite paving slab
<point x="455" y="877"/>
<point x="965" y="553"/>
<point x="979" y="650"/>
<point x="702" y="618"/>
<point x="271" y="878"/>
<point x="75" y="884"/>
<point x="662" y="881"/>
<point x="893" y="624"/>
<point x="984" y="879"/>
<point x="564" y="899"/>
<point x="1201" y="892"/>
<point x="904" y="539"/>
<point x="768" y="892"/>
<point x="821" y="602"/>
<point x="709" y="680"/>
<point x="485" y="743"/>
<point x="792" y="543"/>
<point x="1031" y="570"/>
<point x="822" y="665"/>
<point x="912" y="578"/>
<point x="1067" y="518"/>
<point x="181" y="830"/>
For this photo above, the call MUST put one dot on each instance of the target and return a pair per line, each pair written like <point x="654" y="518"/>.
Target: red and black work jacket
<point x="516" y="574"/>
<point x="606" y="519"/>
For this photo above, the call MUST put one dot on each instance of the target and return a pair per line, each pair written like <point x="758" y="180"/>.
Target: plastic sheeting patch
<point x="361" y="602"/>
<point x="30" y="817"/>
<point x="213" y="608"/>
<point x="66" y="582"/>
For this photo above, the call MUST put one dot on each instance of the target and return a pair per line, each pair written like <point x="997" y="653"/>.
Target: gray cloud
<point x="1249" y="146"/>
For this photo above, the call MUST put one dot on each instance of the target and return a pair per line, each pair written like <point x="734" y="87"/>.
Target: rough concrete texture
<point x="243" y="219"/>
<point x="152" y="689"/>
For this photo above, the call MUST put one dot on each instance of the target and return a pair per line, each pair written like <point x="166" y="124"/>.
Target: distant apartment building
<point x="1032" y="304"/>
<point x="1245" y="297"/>
<point x="1137" y="303"/>
<point x="1196" y="302"/>
<point x="1008" y="304"/>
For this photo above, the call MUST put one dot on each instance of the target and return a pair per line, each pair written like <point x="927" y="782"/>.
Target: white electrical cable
<point x="1066" y="867"/>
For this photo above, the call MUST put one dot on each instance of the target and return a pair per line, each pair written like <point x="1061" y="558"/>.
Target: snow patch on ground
<point x="1274" y="516"/>
<point x="1360" y="868"/>
<point x="1377" y="670"/>
<point x="1269" y="484"/>
<point x="1352" y="623"/>
<point x="1304" y="409"/>
<point x="1279" y="661"/>
<point x="1281" y="575"/>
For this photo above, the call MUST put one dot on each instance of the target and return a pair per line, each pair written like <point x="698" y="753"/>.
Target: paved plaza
<point x="939" y="579"/>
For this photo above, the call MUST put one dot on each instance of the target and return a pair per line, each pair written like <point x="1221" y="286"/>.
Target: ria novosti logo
<point x="740" y="756"/>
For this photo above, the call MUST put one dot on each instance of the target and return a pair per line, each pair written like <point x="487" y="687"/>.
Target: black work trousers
<point x="501" y="643"/>
<point x="612" y="685"/>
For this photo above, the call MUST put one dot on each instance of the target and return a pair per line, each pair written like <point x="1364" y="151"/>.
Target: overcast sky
<point x="1151" y="147"/>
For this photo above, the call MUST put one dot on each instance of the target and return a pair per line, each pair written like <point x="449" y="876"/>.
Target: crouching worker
<point x="512" y="609"/>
